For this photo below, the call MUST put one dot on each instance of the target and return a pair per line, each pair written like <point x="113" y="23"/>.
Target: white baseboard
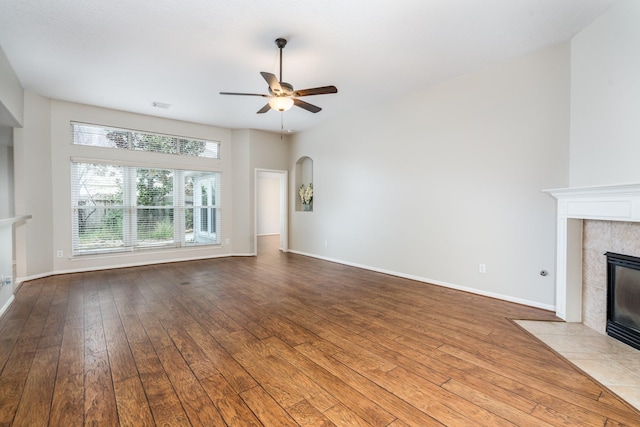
<point x="6" y="305"/>
<point x="18" y="282"/>
<point x="502" y="297"/>
<point x="21" y="280"/>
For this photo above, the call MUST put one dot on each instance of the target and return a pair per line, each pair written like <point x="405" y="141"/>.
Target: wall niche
<point x="304" y="178"/>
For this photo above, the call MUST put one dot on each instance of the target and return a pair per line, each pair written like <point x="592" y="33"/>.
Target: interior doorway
<point x="270" y="205"/>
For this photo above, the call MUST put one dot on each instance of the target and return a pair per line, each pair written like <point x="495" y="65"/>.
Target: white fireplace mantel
<point x="608" y="203"/>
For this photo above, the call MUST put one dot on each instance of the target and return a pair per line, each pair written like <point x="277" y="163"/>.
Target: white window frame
<point x="130" y="210"/>
<point x="209" y="208"/>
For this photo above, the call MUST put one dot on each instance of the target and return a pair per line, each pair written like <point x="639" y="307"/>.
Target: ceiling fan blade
<point x="264" y="109"/>
<point x="274" y="84"/>
<point x="315" y="91"/>
<point x="245" y="94"/>
<point x="306" y="105"/>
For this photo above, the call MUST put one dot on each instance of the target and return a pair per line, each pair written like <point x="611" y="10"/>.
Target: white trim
<point x="13" y="220"/>
<point x="507" y="298"/>
<point x="433" y="282"/>
<point x="607" y="203"/>
<point x="6" y="305"/>
<point x="150" y="165"/>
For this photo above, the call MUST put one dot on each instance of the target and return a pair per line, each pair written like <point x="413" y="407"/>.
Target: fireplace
<point x="623" y="298"/>
<point x="619" y="204"/>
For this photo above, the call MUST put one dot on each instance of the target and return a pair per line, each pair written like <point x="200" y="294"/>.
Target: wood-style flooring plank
<point x="99" y="398"/>
<point x="305" y="414"/>
<point x="342" y="416"/>
<point x="67" y="407"/>
<point x="194" y="399"/>
<point x="234" y="372"/>
<point x="14" y="376"/>
<point x="501" y="408"/>
<point x="35" y="403"/>
<point x="363" y="397"/>
<point x="131" y="401"/>
<point x="266" y="409"/>
<point x="120" y="358"/>
<point x="559" y="400"/>
<point x="163" y="401"/>
<point x="199" y="361"/>
<point x="232" y="407"/>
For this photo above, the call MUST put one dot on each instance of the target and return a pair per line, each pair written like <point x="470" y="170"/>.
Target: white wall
<point x="241" y="192"/>
<point x="6" y="173"/>
<point x="605" y="99"/>
<point x="269" y="151"/>
<point x="432" y="185"/>
<point x="11" y="94"/>
<point x="268" y="200"/>
<point x="253" y="150"/>
<point x="34" y="188"/>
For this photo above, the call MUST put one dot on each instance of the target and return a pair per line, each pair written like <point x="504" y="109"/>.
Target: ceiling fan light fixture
<point x="281" y="103"/>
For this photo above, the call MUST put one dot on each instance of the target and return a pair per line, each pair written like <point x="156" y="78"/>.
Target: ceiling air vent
<point x="161" y="105"/>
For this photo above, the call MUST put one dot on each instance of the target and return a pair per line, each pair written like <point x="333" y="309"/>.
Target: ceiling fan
<point x="282" y="96"/>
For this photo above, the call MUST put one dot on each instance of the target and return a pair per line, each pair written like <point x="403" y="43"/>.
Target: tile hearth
<point x="609" y="361"/>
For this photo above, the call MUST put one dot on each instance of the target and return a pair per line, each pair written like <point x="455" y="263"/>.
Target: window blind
<point x="124" y="208"/>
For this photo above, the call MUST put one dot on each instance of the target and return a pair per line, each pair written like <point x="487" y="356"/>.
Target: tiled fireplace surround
<point x="598" y="238"/>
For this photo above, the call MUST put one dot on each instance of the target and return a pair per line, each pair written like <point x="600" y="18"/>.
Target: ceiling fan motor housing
<point x="287" y="89"/>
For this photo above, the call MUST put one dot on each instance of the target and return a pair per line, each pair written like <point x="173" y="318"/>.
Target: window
<point x="121" y="206"/>
<point x="204" y="212"/>
<point x="100" y="136"/>
<point x="124" y="208"/>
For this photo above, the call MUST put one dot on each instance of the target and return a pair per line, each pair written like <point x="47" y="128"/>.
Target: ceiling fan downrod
<point x="281" y="43"/>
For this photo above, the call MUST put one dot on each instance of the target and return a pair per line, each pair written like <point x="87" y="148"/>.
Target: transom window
<point x="101" y="136"/>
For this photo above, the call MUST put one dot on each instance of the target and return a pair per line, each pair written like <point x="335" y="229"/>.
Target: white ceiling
<point x="126" y="54"/>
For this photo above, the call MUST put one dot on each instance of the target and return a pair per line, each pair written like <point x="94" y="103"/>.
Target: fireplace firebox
<point x="623" y="298"/>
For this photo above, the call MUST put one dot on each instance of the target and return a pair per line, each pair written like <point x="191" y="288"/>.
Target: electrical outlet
<point x="482" y="268"/>
<point x="325" y="244"/>
<point x="60" y="254"/>
<point x="226" y="241"/>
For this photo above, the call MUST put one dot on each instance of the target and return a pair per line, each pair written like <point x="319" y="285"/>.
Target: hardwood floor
<point x="280" y="340"/>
